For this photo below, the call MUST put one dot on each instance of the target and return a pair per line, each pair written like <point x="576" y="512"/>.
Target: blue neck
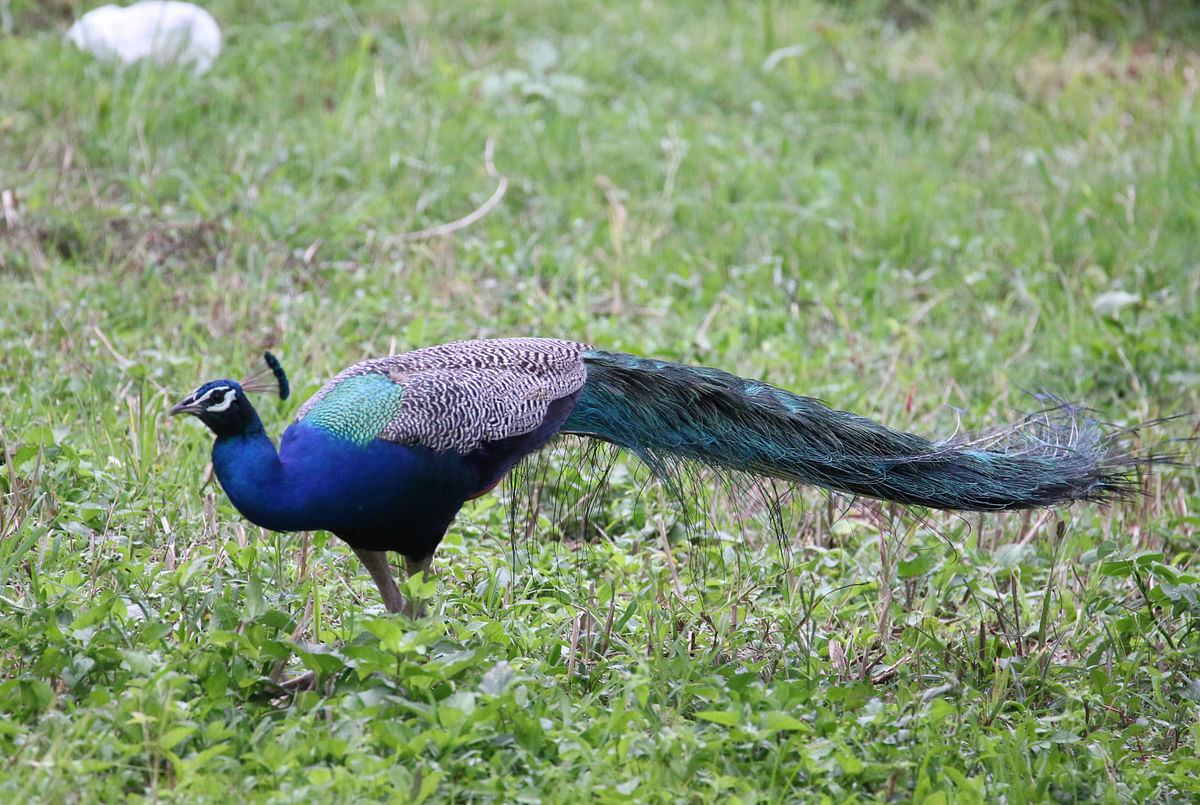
<point x="250" y="472"/>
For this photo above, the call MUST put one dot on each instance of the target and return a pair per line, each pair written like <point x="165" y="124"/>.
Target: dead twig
<point x="467" y="220"/>
<point x="122" y="361"/>
<point x="8" y="201"/>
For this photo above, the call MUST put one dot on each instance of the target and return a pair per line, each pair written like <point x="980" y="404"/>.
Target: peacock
<point x="386" y="453"/>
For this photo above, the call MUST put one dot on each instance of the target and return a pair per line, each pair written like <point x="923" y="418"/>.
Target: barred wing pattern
<point x="460" y="395"/>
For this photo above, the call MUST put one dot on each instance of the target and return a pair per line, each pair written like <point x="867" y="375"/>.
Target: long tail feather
<point x="665" y="411"/>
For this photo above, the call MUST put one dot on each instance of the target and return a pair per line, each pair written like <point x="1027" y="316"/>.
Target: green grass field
<point x="915" y="211"/>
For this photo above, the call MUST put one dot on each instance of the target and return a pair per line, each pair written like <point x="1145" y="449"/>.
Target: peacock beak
<point x="186" y="406"/>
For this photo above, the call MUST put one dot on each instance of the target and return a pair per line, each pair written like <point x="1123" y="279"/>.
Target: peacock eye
<point x="225" y="403"/>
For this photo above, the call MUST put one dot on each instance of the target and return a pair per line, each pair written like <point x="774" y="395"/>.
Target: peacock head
<point x="223" y="406"/>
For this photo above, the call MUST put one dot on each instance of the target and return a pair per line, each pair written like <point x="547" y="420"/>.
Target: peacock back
<point x="450" y="397"/>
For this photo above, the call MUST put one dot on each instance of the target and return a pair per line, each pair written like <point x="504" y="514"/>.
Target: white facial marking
<point x="207" y="394"/>
<point x="223" y="405"/>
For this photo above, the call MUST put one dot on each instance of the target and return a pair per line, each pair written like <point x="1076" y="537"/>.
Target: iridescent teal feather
<point x="358" y="408"/>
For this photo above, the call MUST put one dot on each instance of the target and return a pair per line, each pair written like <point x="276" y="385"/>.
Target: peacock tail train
<point x="663" y="411"/>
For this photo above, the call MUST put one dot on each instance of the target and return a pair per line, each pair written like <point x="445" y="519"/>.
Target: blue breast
<point x="378" y="495"/>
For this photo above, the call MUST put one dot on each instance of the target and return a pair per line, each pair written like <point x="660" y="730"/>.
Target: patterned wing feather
<point x="450" y="397"/>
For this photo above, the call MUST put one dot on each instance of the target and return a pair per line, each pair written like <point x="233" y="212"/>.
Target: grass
<point x="914" y="211"/>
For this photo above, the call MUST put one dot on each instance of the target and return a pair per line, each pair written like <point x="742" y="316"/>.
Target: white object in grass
<point x="169" y="32"/>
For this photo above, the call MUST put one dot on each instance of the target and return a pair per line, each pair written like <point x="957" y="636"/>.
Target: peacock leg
<point x="380" y="569"/>
<point x="411" y="568"/>
<point x="414" y="566"/>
